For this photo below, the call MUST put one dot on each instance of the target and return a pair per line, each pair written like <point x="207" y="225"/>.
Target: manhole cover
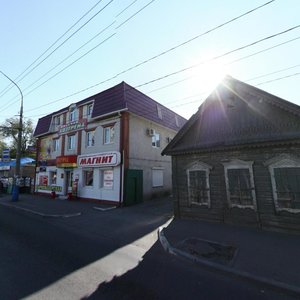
<point x="216" y="252"/>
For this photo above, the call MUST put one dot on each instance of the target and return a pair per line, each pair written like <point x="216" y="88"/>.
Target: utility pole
<point x="15" y="190"/>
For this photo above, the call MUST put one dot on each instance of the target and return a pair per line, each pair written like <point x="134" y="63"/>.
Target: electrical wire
<point x="53" y="76"/>
<point x="196" y="95"/>
<point x="68" y="30"/>
<point x="187" y="41"/>
<point x="181" y="70"/>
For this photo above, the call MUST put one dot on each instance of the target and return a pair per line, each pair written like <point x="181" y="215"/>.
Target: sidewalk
<point x="269" y="258"/>
<point x="45" y="206"/>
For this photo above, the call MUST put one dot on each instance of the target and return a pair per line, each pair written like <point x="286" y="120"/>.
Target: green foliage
<point x="9" y="130"/>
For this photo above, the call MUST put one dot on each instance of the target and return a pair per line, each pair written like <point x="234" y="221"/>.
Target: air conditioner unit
<point x="150" y="131"/>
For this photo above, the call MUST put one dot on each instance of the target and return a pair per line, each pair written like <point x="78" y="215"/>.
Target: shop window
<point x="90" y="138"/>
<point x="157" y="177"/>
<point x="156" y="140"/>
<point x="109" y="134"/>
<point x="71" y="142"/>
<point x="53" y="176"/>
<point x="88" y="176"/>
<point x="285" y="178"/>
<point x="107" y="179"/>
<point x="198" y="184"/>
<point x="55" y="145"/>
<point x="240" y="184"/>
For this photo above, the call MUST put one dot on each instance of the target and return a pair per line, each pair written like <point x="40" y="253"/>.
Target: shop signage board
<point x="104" y="159"/>
<point x="72" y="126"/>
<point x="5" y="155"/>
<point x="67" y="161"/>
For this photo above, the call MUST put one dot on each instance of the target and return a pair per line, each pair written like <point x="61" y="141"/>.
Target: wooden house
<point x="237" y="160"/>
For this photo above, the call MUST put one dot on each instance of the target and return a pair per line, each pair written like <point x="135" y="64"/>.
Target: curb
<point x="104" y="209"/>
<point x="278" y="285"/>
<point x="42" y="214"/>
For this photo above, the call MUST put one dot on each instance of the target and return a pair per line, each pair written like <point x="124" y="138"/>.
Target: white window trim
<point x="68" y="146"/>
<point x="87" y="138"/>
<point x="84" y="170"/>
<point x="111" y="140"/>
<point x="240" y="164"/>
<point x="281" y="161"/>
<point x="56" y="142"/>
<point x="88" y="111"/>
<point x="199" y="166"/>
<point x="156" y="134"/>
<point x="158" y="169"/>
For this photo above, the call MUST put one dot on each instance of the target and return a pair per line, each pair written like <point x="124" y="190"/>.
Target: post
<point x="15" y="190"/>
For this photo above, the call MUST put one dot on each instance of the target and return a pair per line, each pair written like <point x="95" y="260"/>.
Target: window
<point x="72" y="113"/>
<point x="53" y="176"/>
<point x="107" y="179"/>
<point x="89" y="110"/>
<point x="109" y="134"/>
<point x="285" y="178"/>
<point x="240" y="184"/>
<point x="157" y="177"/>
<point x="88" y="176"/>
<point x="55" y="145"/>
<point x="159" y="112"/>
<point x="176" y="121"/>
<point x="71" y="142"/>
<point x="198" y="184"/>
<point x="57" y="120"/>
<point x="90" y="138"/>
<point x="156" y="140"/>
<point x="287" y="182"/>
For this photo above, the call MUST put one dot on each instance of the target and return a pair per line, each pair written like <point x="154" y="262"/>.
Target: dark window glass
<point x="288" y="187"/>
<point x="239" y="186"/>
<point x="198" y="190"/>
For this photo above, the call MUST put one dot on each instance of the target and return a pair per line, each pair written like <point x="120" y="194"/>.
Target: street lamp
<point x="15" y="191"/>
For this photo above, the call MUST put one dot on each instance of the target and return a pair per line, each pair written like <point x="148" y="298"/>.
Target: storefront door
<point x="68" y="181"/>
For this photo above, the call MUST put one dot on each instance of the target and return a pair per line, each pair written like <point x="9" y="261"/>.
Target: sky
<point x="174" y="51"/>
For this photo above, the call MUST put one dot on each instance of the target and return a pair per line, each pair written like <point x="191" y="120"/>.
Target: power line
<point x="82" y="47"/>
<point x="218" y="56"/>
<point x="64" y="41"/>
<point x="181" y="70"/>
<point x="132" y="16"/>
<point x="185" y="42"/>
<point x="66" y="58"/>
<point x="126" y="8"/>
<point x="272" y="73"/>
<point x="1" y="94"/>
<point x="227" y="64"/>
<point x="196" y="95"/>
<point x="280" y="78"/>
<point x="83" y="54"/>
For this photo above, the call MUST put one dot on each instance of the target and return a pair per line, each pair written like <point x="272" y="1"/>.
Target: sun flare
<point x="207" y="76"/>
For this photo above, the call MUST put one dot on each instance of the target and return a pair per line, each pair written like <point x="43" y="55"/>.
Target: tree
<point x="3" y="145"/>
<point x="10" y="130"/>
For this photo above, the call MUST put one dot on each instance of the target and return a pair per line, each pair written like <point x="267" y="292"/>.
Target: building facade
<point x="107" y="147"/>
<point x="237" y="160"/>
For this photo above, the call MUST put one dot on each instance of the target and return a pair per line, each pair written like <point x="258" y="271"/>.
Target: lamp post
<point x="15" y="190"/>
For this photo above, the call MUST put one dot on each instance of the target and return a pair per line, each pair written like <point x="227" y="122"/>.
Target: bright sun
<point x="207" y="76"/>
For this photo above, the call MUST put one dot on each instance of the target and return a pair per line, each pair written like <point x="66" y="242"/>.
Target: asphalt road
<point x="104" y="255"/>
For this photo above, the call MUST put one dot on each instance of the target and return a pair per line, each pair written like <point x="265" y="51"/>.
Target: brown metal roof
<point x="237" y="114"/>
<point x="118" y="98"/>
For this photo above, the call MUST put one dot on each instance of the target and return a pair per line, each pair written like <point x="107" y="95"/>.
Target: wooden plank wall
<point x="265" y="216"/>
